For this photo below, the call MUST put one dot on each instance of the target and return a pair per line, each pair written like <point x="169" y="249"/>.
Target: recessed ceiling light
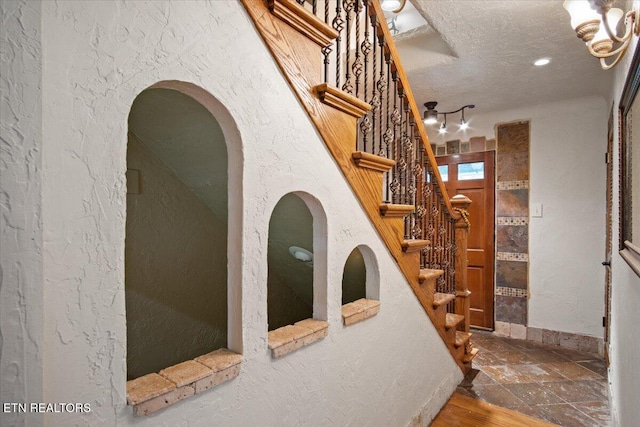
<point x="542" y="61"/>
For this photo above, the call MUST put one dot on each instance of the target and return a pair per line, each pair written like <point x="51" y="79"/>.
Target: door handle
<point x="606" y="263"/>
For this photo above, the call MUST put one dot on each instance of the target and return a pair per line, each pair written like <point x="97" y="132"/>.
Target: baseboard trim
<point x="568" y="340"/>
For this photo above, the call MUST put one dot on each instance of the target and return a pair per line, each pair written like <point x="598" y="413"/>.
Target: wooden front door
<point x="472" y="174"/>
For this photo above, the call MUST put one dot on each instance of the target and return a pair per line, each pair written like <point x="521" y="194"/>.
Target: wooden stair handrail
<point x="414" y="107"/>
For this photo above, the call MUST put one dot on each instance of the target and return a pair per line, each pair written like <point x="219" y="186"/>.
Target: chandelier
<point x="596" y="22"/>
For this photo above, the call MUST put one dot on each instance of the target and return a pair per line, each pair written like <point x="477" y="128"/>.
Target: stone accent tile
<point x="570" y="341"/>
<point x="518" y="332"/>
<point x="359" y="310"/>
<point x="186" y="372"/>
<point x="512" y="220"/>
<point x="513" y="166"/>
<point x="550" y="337"/>
<point x="534" y="334"/>
<point x="502" y="329"/>
<point x="292" y="337"/>
<point x="512" y="238"/>
<point x="512" y="185"/>
<point x="513" y="137"/>
<point x="286" y="334"/>
<point x="314" y="324"/>
<point x="453" y="147"/>
<point x="512" y="203"/>
<point x="161" y="402"/>
<point x="511" y="309"/>
<point x="490" y="145"/>
<point x="147" y="387"/>
<point x="441" y="150"/>
<point x="477" y="143"/>
<point x="351" y="313"/>
<point x="511" y="292"/>
<point x="589" y="344"/>
<point x="511" y="256"/>
<point x="217" y="378"/>
<point x="511" y="274"/>
<point x="465" y="147"/>
<point x="220" y="359"/>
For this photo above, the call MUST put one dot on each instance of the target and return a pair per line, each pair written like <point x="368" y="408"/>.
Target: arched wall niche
<point x="360" y="285"/>
<point x="191" y="181"/>
<point x="297" y="260"/>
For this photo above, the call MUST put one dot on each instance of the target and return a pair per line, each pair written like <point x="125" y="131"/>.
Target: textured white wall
<point x="98" y="58"/>
<point x="21" y="324"/>
<point x="568" y="176"/>
<point x="624" y="347"/>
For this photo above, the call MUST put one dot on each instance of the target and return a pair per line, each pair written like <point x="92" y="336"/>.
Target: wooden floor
<point x="463" y="411"/>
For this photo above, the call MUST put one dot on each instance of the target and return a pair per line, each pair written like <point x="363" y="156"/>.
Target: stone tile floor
<point x="561" y="386"/>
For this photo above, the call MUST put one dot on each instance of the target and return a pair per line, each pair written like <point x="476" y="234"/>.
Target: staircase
<point x="340" y="60"/>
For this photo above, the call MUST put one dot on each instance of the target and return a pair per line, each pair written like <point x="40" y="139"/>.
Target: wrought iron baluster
<point x="365" y="123"/>
<point x="326" y="51"/>
<point x="380" y="86"/>
<point x="347" y="5"/>
<point x="357" y="63"/>
<point x="374" y="97"/>
<point x="338" y="25"/>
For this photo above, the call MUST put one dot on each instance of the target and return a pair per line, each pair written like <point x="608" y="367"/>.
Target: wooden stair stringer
<point x="298" y="59"/>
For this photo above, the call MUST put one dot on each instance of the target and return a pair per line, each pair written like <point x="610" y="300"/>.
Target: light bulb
<point x="463" y="124"/>
<point x="390" y="5"/>
<point x="443" y="128"/>
<point x="581" y="12"/>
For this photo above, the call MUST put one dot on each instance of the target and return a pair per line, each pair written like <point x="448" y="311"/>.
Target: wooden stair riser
<point x="299" y="59"/>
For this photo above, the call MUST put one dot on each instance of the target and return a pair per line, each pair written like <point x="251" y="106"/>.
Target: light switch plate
<point x="536" y="210"/>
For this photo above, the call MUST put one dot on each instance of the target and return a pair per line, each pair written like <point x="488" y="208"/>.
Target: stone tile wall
<point x="512" y="222"/>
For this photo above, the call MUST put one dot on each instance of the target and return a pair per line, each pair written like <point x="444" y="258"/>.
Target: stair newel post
<point x="460" y="204"/>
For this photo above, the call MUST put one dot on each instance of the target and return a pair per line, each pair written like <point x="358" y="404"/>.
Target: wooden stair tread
<point x="469" y="356"/>
<point x="426" y="274"/>
<point x="392" y="210"/>
<point x="462" y="338"/>
<point x="371" y="161"/>
<point x="452" y="320"/>
<point x="414" y="245"/>
<point x="342" y="101"/>
<point x="304" y="21"/>
<point x="440" y="298"/>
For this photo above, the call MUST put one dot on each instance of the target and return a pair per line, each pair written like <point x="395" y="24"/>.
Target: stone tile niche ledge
<point x="152" y="392"/>
<point x="359" y="310"/>
<point x="289" y="338"/>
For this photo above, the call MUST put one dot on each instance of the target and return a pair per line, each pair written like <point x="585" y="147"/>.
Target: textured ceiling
<point x="482" y="51"/>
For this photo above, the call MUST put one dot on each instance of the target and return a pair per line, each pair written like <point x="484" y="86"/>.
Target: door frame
<point x="489" y="157"/>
